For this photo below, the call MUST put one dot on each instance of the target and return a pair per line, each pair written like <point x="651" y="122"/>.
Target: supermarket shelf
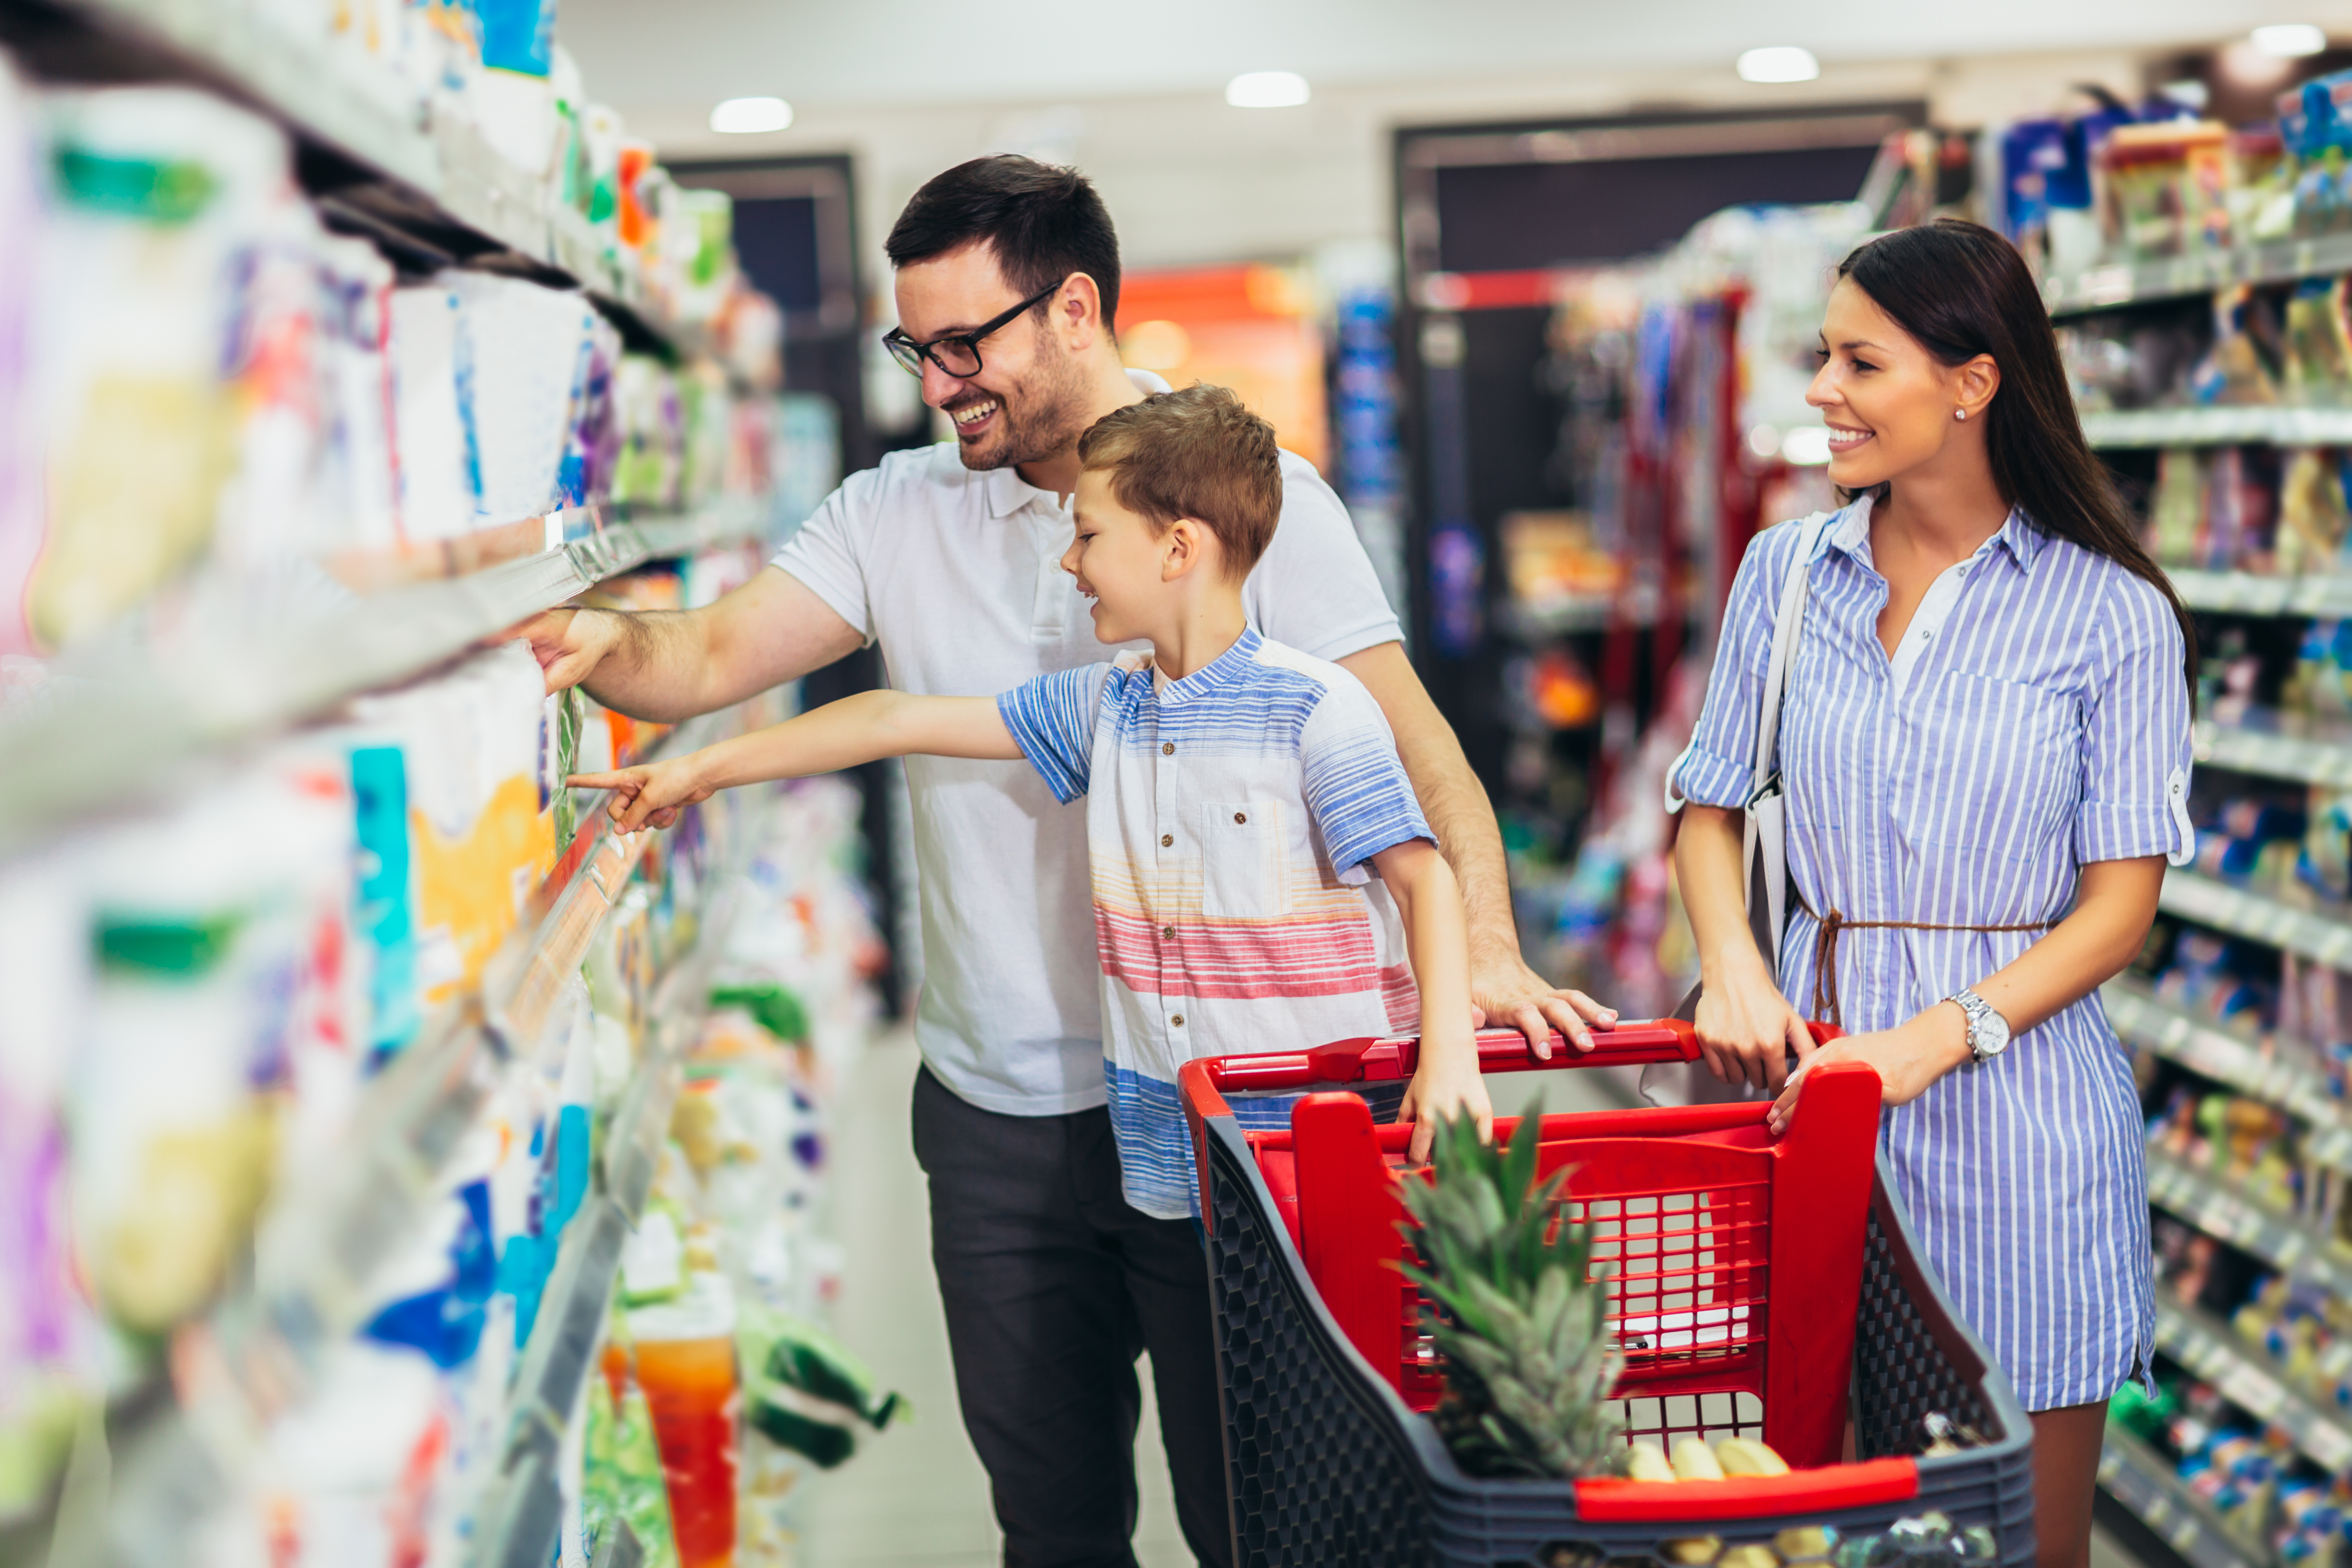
<point x="2257" y="917"/>
<point x="2227" y="1057"/>
<point x="2291" y="1247"/>
<point x="2173" y="278"/>
<point x="521" y="1514"/>
<point x="731" y="520"/>
<point x="451" y="194"/>
<point x="2140" y="1478"/>
<point x="2211" y="1353"/>
<point x="2244" y="594"/>
<point x="126" y="733"/>
<point x="2279" y="746"/>
<point x="2218" y="426"/>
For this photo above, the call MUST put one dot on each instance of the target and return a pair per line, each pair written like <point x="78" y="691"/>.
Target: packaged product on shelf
<point x="2317" y="352"/>
<point x="645" y="404"/>
<point x="623" y="1485"/>
<point x="482" y="833"/>
<point x="2237" y="369"/>
<point x="527" y="359"/>
<point x="2163" y="188"/>
<point x="683" y="1355"/>
<point x="2175" y="525"/>
<point x="2314" y="519"/>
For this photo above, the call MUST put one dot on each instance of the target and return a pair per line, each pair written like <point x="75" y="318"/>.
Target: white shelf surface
<point x="2257" y="917"/>
<point x="2277" y="425"/>
<point x="2200" y="272"/>
<point x="2278" y="746"/>
<point x="2227" y="1057"/>
<point x="2247" y="593"/>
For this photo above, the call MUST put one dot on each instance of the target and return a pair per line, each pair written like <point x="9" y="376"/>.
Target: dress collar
<point x="1850" y="533"/>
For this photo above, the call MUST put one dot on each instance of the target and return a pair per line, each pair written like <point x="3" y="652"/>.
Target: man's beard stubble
<point x="1050" y="419"/>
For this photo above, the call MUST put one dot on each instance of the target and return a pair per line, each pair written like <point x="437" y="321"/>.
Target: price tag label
<point x="2329" y="1444"/>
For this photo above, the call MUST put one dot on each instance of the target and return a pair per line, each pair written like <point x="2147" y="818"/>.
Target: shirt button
<point x="1167" y="748"/>
<point x="1167" y="840"/>
<point x="1178" y="1020"/>
<point x="1241" y="816"/>
<point x="1169" y="932"/>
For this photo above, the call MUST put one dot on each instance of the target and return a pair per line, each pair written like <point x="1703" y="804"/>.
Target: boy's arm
<point x="1446" y="1082"/>
<point x="860" y="729"/>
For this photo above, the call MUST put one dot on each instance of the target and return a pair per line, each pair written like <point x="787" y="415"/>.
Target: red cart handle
<point x="1366" y="1060"/>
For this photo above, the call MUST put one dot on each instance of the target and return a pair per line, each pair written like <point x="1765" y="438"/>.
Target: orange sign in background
<point x="1250" y="328"/>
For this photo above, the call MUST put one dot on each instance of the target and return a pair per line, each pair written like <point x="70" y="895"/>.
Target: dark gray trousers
<point x="1053" y="1287"/>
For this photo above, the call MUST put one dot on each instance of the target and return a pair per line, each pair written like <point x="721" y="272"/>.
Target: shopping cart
<point x="1763" y="1288"/>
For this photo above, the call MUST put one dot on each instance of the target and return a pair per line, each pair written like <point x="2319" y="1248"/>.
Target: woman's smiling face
<point x="1889" y="403"/>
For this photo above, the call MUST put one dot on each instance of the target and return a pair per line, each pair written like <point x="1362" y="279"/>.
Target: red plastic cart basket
<point x="1767" y="1288"/>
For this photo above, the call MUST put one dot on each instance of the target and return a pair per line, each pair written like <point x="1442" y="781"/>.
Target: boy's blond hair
<point x="1197" y="452"/>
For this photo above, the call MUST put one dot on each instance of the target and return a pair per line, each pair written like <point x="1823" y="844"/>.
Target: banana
<point x="1747" y="1456"/>
<point x="1801" y="1542"/>
<point x="1647" y="1462"/>
<point x="1695" y="1461"/>
<point x="1748" y="1556"/>
<point x="1695" y="1551"/>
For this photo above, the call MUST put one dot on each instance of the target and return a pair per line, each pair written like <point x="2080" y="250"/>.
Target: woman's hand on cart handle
<point x="1505" y="994"/>
<point x="1746" y="1027"/>
<point x="1907" y="1059"/>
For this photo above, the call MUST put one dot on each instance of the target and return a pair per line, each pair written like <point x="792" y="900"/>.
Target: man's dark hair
<point x="1042" y="221"/>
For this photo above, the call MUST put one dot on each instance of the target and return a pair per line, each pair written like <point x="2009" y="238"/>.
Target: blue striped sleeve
<point x="1053" y="721"/>
<point x="1356" y="792"/>
<point x="1715" y="771"/>
<point x="2136" y="734"/>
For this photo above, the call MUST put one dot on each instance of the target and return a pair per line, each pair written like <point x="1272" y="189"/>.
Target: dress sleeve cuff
<point x="2131" y="830"/>
<point x="1703" y="778"/>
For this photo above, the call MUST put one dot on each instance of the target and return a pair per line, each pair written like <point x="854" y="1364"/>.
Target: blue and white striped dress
<point x="2033" y="720"/>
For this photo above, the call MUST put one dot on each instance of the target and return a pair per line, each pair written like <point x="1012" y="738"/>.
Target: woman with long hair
<point x="1985" y="750"/>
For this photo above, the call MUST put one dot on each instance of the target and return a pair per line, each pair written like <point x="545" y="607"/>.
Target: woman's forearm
<point x="1707" y="873"/>
<point x="2114" y="904"/>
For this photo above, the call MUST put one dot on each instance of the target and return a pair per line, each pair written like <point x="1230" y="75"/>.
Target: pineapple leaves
<point x="1530" y="1358"/>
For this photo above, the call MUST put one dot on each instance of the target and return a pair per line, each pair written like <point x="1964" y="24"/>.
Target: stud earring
<point x="1960" y="414"/>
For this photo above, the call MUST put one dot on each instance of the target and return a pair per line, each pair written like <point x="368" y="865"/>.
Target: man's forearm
<point x="659" y="667"/>
<point x="1464" y="821"/>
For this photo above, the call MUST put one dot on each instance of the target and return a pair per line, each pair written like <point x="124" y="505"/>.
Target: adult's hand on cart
<point x="1746" y="1027"/>
<point x="1505" y="994"/>
<point x="568" y="642"/>
<point x="650" y="794"/>
<point x="1907" y="1059"/>
<point x="1445" y="1084"/>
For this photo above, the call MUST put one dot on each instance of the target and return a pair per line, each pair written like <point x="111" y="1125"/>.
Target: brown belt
<point x="1825" y="945"/>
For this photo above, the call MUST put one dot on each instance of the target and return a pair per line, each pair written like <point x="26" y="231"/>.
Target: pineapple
<point x="1529" y="1357"/>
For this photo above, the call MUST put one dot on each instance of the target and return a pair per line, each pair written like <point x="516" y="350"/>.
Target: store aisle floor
<point x="915" y="1497"/>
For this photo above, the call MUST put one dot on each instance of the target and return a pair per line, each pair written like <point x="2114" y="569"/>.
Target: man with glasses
<point x="1007" y="287"/>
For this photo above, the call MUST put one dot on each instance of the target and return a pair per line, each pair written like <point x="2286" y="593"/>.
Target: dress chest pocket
<point x="1244" y="860"/>
<point x="1999" y="764"/>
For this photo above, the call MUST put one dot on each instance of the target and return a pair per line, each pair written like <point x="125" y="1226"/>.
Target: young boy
<point x="1242" y="797"/>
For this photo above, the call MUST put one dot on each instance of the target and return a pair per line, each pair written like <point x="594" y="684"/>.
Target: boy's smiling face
<point x="1120" y="560"/>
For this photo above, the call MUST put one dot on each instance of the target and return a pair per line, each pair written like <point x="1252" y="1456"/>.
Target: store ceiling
<point x="818" y="53"/>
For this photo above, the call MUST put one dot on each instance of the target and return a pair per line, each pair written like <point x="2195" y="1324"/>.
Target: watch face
<point x="1987" y="1030"/>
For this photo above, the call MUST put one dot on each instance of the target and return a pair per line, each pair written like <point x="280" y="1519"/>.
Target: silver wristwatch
<point x="1987" y="1030"/>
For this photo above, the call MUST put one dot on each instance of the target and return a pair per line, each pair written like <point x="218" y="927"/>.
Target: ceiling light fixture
<point x="1782" y="62"/>
<point x="2290" y="40"/>
<point x="750" y="116"/>
<point x="1266" y="90"/>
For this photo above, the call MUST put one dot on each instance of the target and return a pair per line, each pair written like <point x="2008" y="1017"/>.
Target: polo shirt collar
<point x="1008" y="493"/>
<point x="1850" y="533"/>
<point x="1230" y="667"/>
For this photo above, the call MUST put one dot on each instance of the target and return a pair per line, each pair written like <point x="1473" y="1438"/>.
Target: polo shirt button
<point x="1241" y="816"/>
<point x="1167" y="748"/>
<point x="1169" y="932"/>
<point x="1178" y="1020"/>
<point x="1167" y="841"/>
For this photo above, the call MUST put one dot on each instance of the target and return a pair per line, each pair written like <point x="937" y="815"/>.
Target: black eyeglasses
<point x="958" y="353"/>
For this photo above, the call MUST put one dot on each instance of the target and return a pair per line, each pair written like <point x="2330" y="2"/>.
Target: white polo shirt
<point x="957" y="575"/>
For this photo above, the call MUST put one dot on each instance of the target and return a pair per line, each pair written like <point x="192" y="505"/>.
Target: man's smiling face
<point x="1027" y="401"/>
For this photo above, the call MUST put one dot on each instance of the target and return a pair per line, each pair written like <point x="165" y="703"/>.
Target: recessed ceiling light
<point x="1266" y="90"/>
<point x="1783" y="62"/>
<point x="750" y="116"/>
<point x="2290" y="40"/>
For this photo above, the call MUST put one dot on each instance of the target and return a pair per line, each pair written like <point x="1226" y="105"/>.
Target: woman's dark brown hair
<point x="1963" y="290"/>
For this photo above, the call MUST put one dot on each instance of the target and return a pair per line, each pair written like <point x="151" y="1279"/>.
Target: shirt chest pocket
<point x="1244" y="860"/>
<point x="2001" y="766"/>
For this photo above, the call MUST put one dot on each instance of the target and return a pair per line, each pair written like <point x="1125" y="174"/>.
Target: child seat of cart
<point x="1734" y="1259"/>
